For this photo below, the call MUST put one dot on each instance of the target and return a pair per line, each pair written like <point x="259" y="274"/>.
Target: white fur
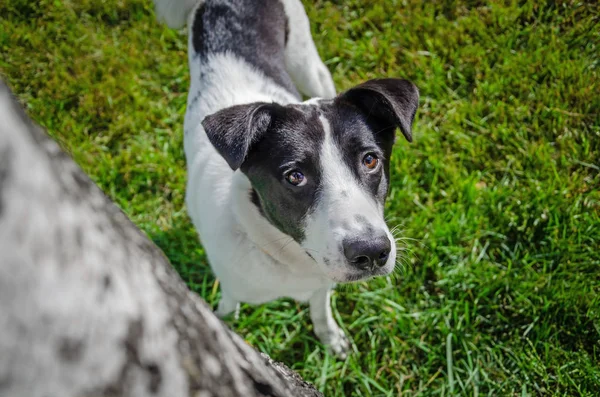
<point x="324" y="325"/>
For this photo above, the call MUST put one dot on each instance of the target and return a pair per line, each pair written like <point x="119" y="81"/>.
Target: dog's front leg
<point x="326" y="329"/>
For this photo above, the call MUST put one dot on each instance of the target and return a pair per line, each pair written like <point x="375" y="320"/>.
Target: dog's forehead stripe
<point x="340" y="187"/>
<point x="335" y="173"/>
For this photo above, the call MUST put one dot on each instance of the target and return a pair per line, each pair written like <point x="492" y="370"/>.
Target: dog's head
<point x="320" y="170"/>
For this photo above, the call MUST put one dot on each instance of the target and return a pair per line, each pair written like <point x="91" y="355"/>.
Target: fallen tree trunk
<point x="89" y="306"/>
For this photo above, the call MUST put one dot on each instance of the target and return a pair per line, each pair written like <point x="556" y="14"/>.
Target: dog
<point x="287" y="195"/>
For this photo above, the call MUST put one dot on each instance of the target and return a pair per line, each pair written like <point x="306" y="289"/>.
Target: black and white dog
<point x="287" y="196"/>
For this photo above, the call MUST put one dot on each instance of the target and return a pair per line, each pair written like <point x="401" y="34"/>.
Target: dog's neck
<point x="270" y="240"/>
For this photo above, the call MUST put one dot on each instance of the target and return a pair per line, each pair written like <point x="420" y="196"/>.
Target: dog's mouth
<point x="357" y="276"/>
<point x="350" y="274"/>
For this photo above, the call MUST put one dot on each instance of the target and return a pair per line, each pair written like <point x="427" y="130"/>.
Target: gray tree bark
<point x="89" y="306"/>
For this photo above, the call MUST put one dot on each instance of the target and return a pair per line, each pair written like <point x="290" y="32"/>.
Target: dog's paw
<point x="338" y="344"/>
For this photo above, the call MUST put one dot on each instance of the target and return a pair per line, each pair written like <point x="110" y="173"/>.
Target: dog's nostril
<point x="383" y="257"/>
<point x="362" y="262"/>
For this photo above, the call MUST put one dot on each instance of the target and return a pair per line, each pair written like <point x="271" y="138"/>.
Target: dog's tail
<point x="174" y="12"/>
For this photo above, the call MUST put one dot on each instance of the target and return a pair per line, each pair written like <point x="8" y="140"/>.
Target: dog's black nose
<point x="367" y="253"/>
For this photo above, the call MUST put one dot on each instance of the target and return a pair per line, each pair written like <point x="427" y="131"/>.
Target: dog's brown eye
<point x="370" y="161"/>
<point x="296" y="178"/>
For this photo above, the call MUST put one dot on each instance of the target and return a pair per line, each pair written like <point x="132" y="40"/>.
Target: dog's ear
<point x="393" y="102"/>
<point x="233" y="130"/>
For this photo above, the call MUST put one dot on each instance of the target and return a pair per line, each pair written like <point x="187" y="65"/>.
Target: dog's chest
<point x="259" y="281"/>
<point x="249" y="273"/>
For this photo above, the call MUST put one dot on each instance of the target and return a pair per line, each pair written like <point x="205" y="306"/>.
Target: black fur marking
<point x="198" y="39"/>
<point x="292" y="142"/>
<point x="235" y="129"/>
<point x="390" y="102"/>
<point x="254" y="30"/>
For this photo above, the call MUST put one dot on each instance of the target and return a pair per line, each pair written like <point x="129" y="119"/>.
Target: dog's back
<point x="271" y="36"/>
<point x="253" y="30"/>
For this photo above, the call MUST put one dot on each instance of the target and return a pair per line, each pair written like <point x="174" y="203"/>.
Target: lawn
<point x="498" y="198"/>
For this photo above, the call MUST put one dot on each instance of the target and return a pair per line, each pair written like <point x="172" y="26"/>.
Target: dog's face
<point x="320" y="170"/>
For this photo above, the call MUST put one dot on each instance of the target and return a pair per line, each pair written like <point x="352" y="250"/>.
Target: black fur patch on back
<point x="254" y="30"/>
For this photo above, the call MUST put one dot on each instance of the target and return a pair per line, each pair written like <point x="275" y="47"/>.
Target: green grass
<point x="499" y="193"/>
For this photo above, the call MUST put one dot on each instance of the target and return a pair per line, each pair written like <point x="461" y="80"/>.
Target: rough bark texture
<point x="89" y="306"/>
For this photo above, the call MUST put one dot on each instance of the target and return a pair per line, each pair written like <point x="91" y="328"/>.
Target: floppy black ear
<point x="233" y="130"/>
<point x="392" y="101"/>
